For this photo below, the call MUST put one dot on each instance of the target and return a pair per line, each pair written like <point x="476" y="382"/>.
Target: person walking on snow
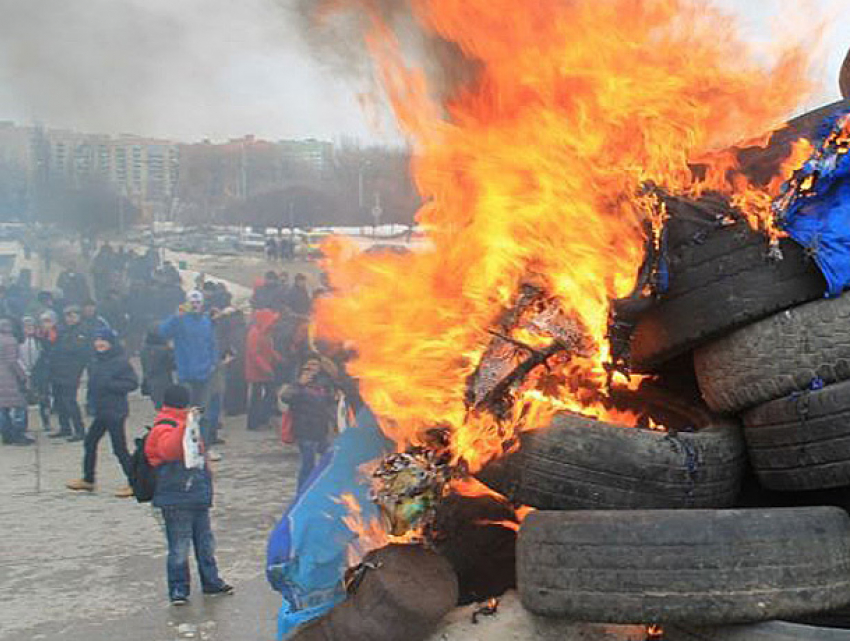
<point x="195" y="351"/>
<point x="185" y="497"/>
<point x="13" y="404"/>
<point x="111" y="378"/>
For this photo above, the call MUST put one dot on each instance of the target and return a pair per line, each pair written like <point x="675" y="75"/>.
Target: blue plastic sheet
<point x="306" y="556"/>
<point x="819" y="218"/>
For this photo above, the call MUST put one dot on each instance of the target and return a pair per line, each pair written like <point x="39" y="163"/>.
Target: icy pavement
<point x="88" y="567"/>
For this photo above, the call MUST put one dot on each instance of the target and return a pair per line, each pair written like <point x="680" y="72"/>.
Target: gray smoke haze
<point x="185" y="68"/>
<point x="220" y="68"/>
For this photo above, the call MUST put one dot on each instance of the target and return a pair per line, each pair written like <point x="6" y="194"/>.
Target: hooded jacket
<point x="70" y="354"/>
<point x="194" y="345"/>
<point x="261" y="358"/>
<point x="111" y="378"/>
<point x="176" y="486"/>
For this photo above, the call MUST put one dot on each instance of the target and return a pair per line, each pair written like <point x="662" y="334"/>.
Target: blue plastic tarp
<point x="819" y="219"/>
<point x="306" y="556"/>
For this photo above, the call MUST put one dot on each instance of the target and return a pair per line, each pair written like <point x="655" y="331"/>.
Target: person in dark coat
<point x="298" y="299"/>
<point x="75" y="289"/>
<point x="312" y="408"/>
<point x="13" y="404"/>
<point x="114" y="312"/>
<point x="69" y="357"/>
<point x="157" y="367"/>
<point x="185" y="497"/>
<point x="91" y="321"/>
<point x="111" y="378"/>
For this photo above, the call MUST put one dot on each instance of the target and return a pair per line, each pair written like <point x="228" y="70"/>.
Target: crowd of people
<point x="194" y="349"/>
<point x="232" y="361"/>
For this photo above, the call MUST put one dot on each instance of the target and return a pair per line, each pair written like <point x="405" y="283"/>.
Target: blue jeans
<point x="13" y="423"/>
<point x="311" y="452"/>
<point x="185" y="527"/>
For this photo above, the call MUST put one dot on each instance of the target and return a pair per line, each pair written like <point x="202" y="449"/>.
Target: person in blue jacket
<point x="195" y="351"/>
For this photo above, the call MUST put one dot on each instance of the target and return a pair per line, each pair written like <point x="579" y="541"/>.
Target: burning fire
<point x="534" y="170"/>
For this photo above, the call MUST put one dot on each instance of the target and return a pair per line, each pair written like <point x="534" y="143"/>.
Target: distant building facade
<point x="159" y="176"/>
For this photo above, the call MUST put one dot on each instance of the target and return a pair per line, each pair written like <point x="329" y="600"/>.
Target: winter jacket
<point x="261" y="359"/>
<point x="111" y="378"/>
<point x="12" y="375"/>
<point x="299" y="301"/>
<point x="70" y="355"/>
<point x="157" y="367"/>
<point x="313" y="410"/>
<point x="176" y="486"/>
<point x="194" y="345"/>
<point x="74" y="287"/>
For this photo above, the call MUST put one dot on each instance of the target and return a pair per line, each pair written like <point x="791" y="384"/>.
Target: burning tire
<point x="700" y="567"/>
<point x="581" y="463"/>
<point x="768" y="631"/>
<point x="720" y="279"/>
<point x="777" y="356"/>
<point x="802" y="442"/>
<point x="403" y="593"/>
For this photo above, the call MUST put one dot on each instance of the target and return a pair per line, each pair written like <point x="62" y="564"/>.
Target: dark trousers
<point x="67" y="409"/>
<point x="311" y="452"/>
<point x="13" y="423"/>
<point x="101" y="425"/>
<point x="261" y="404"/>
<point x="185" y="527"/>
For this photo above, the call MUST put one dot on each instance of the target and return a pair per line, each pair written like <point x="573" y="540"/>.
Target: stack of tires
<point x="636" y="525"/>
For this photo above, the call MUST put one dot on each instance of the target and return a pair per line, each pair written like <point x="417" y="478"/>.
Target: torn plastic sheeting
<point x="306" y="557"/>
<point x="819" y="218"/>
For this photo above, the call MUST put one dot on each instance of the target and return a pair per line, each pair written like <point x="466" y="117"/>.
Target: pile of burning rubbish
<point x="620" y="382"/>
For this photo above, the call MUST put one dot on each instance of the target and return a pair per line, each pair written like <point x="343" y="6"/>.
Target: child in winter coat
<point x="185" y="497"/>
<point x="157" y="367"/>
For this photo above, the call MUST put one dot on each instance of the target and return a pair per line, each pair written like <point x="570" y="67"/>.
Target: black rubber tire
<point x="581" y="463"/>
<point x="776" y="356"/>
<point x="802" y="442"/>
<point x="767" y="631"/>
<point x="699" y="567"/>
<point x="406" y="597"/>
<point x="717" y="285"/>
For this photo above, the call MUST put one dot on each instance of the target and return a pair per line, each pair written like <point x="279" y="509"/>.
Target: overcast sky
<point x="194" y="69"/>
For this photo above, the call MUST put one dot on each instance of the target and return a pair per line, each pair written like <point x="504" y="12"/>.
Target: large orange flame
<point x="534" y="170"/>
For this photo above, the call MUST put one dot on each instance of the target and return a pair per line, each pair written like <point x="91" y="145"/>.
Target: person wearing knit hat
<point x="111" y="379"/>
<point x="185" y="496"/>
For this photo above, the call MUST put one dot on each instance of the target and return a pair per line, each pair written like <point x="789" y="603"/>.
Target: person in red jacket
<point x="185" y="497"/>
<point x="261" y="363"/>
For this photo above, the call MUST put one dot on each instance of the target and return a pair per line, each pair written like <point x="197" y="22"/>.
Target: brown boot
<point x="80" y="484"/>
<point x="124" y="492"/>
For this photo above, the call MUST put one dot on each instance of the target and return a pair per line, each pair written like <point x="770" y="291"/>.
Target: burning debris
<point x="527" y="335"/>
<point x="505" y="343"/>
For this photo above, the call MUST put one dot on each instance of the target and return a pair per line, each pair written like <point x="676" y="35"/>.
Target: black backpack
<point x="143" y="480"/>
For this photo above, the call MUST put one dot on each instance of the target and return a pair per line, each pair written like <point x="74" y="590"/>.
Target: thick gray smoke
<point x="337" y="39"/>
<point x="187" y="67"/>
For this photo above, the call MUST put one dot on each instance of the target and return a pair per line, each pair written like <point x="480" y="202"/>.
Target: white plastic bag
<point x="193" y="458"/>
